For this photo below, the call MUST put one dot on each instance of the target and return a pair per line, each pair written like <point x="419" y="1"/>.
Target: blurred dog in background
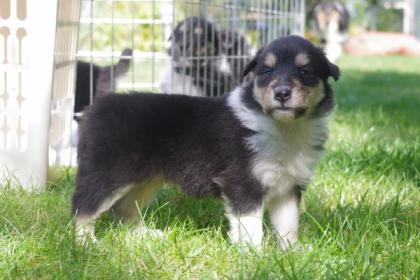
<point x="331" y="22"/>
<point x="198" y="64"/>
<point x="237" y="51"/>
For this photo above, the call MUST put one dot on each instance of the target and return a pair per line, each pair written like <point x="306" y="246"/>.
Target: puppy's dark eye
<point x="267" y="71"/>
<point x="307" y="76"/>
<point x="305" y="72"/>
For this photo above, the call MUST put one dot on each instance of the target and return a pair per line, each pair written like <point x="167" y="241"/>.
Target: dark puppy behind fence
<point x="204" y="59"/>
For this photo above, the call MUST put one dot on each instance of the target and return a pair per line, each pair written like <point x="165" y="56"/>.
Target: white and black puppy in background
<point x="331" y="22"/>
<point x="196" y="66"/>
<point x="254" y="147"/>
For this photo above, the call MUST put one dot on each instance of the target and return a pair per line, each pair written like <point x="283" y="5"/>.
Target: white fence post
<point x="27" y="43"/>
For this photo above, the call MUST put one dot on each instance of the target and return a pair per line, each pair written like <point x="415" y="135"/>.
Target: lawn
<point x="360" y="216"/>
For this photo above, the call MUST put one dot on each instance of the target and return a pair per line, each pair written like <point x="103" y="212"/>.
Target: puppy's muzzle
<point x="282" y="93"/>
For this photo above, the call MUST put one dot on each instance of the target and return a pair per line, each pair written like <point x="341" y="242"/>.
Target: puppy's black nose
<point x="282" y="93"/>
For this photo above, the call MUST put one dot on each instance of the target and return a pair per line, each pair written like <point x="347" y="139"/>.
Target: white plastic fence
<point x="28" y="40"/>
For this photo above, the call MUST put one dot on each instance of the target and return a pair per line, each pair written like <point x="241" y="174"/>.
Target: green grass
<point x="360" y="216"/>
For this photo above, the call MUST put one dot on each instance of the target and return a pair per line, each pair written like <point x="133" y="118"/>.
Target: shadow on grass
<point x="397" y="95"/>
<point x="171" y="208"/>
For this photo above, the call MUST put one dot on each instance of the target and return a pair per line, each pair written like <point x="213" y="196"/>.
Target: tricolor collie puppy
<point x="254" y="147"/>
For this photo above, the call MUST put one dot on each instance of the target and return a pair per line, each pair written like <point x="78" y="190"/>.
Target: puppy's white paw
<point x="144" y="231"/>
<point x="85" y="239"/>
<point x="245" y="240"/>
<point x="85" y="233"/>
<point x="246" y="229"/>
<point x="287" y="240"/>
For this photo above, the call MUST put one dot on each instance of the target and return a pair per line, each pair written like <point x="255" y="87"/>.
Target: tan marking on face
<point x="321" y="20"/>
<point x="325" y="18"/>
<point x="317" y="94"/>
<point x="265" y="96"/>
<point x="301" y="59"/>
<point x="270" y="60"/>
<point x="334" y="16"/>
<point x="305" y="97"/>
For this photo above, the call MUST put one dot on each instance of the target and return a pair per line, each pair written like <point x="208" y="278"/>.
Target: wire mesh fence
<point x="146" y="27"/>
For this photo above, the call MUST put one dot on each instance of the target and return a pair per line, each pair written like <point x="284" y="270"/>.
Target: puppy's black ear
<point x="334" y="70"/>
<point x="250" y="67"/>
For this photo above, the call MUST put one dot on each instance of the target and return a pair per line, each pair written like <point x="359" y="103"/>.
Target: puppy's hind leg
<point x="140" y="195"/>
<point x="90" y="201"/>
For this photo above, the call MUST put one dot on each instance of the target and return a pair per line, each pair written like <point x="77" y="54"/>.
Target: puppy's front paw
<point x="241" y="236"/>
<point x="287" y="241"/>
<point x="245" y="240"/>
<point x="85" y="239"/>
<point x="246" y="229"/>
<point x="144" y="231"/>
<point x="85" y="234"/>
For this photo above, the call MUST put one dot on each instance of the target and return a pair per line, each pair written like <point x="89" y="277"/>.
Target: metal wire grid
<point x="259" y="21"/>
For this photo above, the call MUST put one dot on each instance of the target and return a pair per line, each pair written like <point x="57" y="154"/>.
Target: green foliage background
<point x="104" y="37"/>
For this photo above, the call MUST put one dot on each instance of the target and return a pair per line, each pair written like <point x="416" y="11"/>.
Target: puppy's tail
<point x="123" y="64"/>
<point x="109" y="75"/>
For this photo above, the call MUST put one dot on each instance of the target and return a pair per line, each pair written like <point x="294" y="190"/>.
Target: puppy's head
<point x="234" y="43"/>
<point x="194" y="37"/>
<point x="328" y="15"/>
<point x="290" y="79"/>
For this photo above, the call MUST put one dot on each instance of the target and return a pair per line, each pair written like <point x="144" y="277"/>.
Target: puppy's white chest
<point x="280" y="166"/>
<point x="284" y="154"/>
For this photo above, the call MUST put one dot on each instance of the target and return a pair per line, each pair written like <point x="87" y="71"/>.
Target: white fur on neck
<point x="285" y="153"/>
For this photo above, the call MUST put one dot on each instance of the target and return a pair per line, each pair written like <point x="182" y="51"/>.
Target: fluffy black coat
<point x="191" y="140"/>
